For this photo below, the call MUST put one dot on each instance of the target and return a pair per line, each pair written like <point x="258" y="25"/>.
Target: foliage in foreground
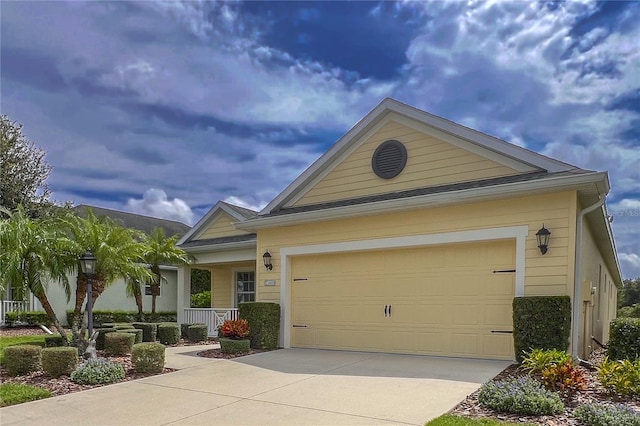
<point x="524" y="395"/>
<point x="98" y="371"/>
<point x="620" y="378"/>
<point x="606" y="415"/>
<point x="451" y="420"/>
<point x="13" y="393"/>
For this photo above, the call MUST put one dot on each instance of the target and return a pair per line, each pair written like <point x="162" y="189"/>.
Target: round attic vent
<point x="389" y="159"/>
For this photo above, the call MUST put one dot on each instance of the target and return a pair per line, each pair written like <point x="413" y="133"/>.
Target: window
<point x="245" y="287"/>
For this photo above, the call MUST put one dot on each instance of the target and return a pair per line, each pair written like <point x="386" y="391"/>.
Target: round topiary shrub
<point x="98" y="371"/>
<point x="22" y="359"/>
<point x="118" y="343"/>
<point x="169" y="333"/>
<point x="59" y="361"/>
<point x="524" y="395"/>
<point x="148" y="357"/>
<point x="149" y="330"/>
<point x="198" y="333"/>
<point x="100" y="337"/>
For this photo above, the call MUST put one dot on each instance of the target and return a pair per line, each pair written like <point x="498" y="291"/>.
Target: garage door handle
<point x="389" y="310"/>
<point x="386" y="311"/>
<point x="502" y="331"/>
<point x="299" y="326"/>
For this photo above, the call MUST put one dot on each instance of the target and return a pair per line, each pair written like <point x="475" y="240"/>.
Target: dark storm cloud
<point x="31" y="68"/>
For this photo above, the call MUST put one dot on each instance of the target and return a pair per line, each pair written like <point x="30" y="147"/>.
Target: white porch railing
<point x="12" y="306"/>
<point x="213" y="317"/>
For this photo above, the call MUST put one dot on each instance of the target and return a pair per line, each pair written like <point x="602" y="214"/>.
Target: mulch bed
<point x="595" y="393"/>
<point x="216" y="353"/>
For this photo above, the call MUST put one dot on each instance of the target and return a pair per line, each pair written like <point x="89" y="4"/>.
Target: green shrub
<point x="541" y="322"/>
<point x="606" y="415"/>
<point x="13" y="393"/>
<point x="201" y="300"/>
<point x="539" y="359"/>
<point x="59" y="361"/>
<point x="169" y="333"/>
<point x="32" y="318"/>
<point x="620" y="377"/>
<point x="184" y="330"/>
<point x="149" y="330"/>
<point x="104" y="318"/>
<point x="98" y="371"/>
<point x="624" y="339"/>
<point x="632" y="311"/>
<point x="53" y="341"/>
<point x="118" y="343"/>
<point x="264" y="323"/>
<point x="22" y="359"/>
<point x="148" y="357"/>
<point x="232" y="346"/>
<point x="197" y="333"/>
<point x="100" y="337"/>
<point x="135" y="331"/>
<point x="524" y="396"/>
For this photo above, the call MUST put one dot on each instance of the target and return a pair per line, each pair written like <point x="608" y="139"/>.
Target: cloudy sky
<point x="163" y="108"/>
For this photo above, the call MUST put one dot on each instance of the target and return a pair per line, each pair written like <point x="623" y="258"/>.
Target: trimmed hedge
<point x="22" y="359"/>
<point x="169" y="333"/>
<point x="149" y="330"/>
<point x="232" y="346"/>
<point x="119" y="343"/>
<point x="264" y="323"/>
<point x="105" y="317"/>
<point x="541" y="322"/>
<point x="184" y="330"/>
<point x="135" y="331"/>
<point x="624" y="339"/>
<point x="53" y="341"/>
<point x="100" y="337"/>
<point x="59" y="361"/>
<point x="197" y="333"/>
<point x="32" y="318"/>
<point x="148" y="357"/>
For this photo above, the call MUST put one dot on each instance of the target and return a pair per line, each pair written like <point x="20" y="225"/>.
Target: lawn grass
<point x="450" y="420"/>
<point x="13" y="393"/>
<point x="19" y="340"/>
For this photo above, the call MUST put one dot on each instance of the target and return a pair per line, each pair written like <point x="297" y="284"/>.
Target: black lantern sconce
<point x="266" y="257"/>
<point x="543" y="239"/>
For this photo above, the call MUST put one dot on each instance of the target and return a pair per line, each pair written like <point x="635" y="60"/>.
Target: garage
<point x="445" y="300"/>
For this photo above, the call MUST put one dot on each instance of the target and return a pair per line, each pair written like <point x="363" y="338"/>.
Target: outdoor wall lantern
<point x="88" y="264"/>
<point x="543" y="239"/>
<point x="266" y="257"/>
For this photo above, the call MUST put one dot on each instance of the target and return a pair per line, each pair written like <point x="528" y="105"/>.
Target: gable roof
<point x="522" y="159"/>
<point x="236" y="212"/>
<point x="136" y="221"/>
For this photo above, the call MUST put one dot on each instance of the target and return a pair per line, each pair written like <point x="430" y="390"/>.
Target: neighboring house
<point x="413" y="234"/>
<point x="114" y="297"/>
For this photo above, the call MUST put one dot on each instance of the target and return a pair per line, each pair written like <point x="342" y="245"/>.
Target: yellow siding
<point x="430" y="162"/>
<point x="221" y="226"/>
<point x="223" y="282"/>
<point x="599" y="307"/>
<point x="550" y="274"/>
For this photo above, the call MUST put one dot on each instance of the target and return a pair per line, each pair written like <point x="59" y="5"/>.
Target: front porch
<point x="212" y="317"/>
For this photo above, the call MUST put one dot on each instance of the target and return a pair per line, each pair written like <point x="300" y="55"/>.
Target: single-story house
<point x="114" y="296"/>
<point x="413" y="234"/>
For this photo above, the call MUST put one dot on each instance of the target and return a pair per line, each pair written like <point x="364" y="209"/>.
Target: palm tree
<point x="160" y="250"/>
<point x="119" y="252"/>
<point x="134" y="290"/>
<point x="32" y="253"/>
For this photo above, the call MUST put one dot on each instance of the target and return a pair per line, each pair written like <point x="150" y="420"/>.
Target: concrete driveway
<point x="288" y="386"/>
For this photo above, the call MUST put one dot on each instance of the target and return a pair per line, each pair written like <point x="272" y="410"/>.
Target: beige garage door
<point x="451" y="300"/>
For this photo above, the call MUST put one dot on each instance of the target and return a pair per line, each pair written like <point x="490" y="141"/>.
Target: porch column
<point x="184" y="291"/>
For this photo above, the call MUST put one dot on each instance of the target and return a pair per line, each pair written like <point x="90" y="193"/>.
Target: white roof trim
<point x="552" y="183"/>
<point x="222" y="247"/>
<point x="486" y="143"/>
<point x="204" y="221"/>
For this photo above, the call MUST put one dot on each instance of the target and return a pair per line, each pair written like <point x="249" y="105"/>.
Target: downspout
<point x="576" y="320"/>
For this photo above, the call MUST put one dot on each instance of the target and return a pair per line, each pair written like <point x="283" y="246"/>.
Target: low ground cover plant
<point x="620" y="377"/>
<point x="524" y="395"/>
<point x="606" y="415"/>
<point x="98" y="371"/>
<point x="15" y="393"/>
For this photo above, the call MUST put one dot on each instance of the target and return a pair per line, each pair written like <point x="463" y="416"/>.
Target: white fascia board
<point x="551" y="184"/>
<point x="204" y="221"/>
<point x="221" y="247"/>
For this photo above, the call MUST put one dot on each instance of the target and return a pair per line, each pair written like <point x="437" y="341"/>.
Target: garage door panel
<point x="445" y="300"/>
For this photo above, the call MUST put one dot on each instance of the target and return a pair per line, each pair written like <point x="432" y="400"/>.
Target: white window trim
<point x="520" y="234"/>
<point x="234" y="292"/>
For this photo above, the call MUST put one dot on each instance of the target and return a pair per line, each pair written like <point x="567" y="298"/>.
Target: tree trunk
<point x="155" y="287"/>
<point x="44" y="301"/>
<point x="81" y="294"/>
<point x="137" y="293"/>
